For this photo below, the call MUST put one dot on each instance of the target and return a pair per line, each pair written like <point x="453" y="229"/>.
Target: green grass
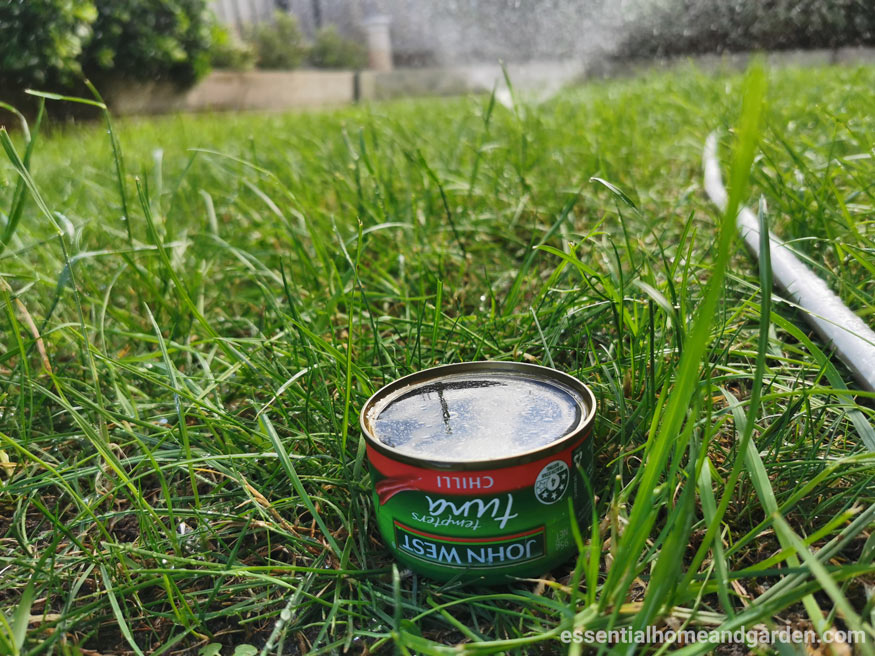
<point x="184" y="355"/>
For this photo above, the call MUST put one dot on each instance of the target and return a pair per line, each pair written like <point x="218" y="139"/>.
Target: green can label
<point x="506" y="521"/>
<point x="497" y="551"/>
<point x="480" y="470"/>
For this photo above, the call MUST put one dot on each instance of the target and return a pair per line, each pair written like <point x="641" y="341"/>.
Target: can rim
<point x="538" y="372"/>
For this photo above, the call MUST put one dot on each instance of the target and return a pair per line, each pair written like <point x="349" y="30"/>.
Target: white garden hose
<point x="852" y="339"/>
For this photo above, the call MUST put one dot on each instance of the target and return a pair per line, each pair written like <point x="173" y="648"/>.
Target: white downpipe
<point x="853" y="340"/>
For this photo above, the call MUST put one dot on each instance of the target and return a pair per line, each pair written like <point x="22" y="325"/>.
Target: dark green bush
<point x="149" y="39"/>
<point x="332" y="50"/>
<point x="278" y="44"/>
<point x="675" y="27"/>
<point x="228" y="52"/>
<point x="41" y="41"/>
<point x="50" y="44"/>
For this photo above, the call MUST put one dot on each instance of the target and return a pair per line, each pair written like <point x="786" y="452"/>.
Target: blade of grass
<point x="19" y="195"/>
<point x="826" y="581"/>
<point x="667" y="423"/>
<point x="269" y="432"/>
<point x="118" y="613"/>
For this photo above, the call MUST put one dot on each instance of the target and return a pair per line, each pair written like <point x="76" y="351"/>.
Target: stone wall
<point x="282" y="90"/>
<point x="542" y="77"/>
<point x="231" y="91"/>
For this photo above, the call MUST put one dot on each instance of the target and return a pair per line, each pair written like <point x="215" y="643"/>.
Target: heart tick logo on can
<point x="551" y="482"/>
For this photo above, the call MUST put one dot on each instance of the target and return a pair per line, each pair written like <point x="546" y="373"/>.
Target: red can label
<point x="510" y="520"/>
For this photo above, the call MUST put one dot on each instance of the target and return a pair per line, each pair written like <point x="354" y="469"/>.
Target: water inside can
<point x="467" y="417"/>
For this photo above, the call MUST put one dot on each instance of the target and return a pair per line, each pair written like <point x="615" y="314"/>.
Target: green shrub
<point x="228" y="52"/>
<point x="51" y="43"/>
<point x="278" y="44"/>
<point x="674" y="27"/>
<point x="332" y="50"/>
<point x="41" y="41"/>
<point x="149" y="39"/>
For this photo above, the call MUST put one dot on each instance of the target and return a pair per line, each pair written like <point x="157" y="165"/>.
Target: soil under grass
<point x="256" y="277"/>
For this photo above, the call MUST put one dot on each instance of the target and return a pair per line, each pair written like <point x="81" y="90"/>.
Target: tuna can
<point x="473" y="466"/>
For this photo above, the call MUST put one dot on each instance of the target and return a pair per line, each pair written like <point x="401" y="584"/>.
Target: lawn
<point x="188" y="337"/>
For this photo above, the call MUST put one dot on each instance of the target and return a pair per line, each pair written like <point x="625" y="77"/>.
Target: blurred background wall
<point x="425" y="32"/>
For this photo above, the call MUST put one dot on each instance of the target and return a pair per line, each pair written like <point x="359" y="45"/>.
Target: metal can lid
<point x="477" y="412"/>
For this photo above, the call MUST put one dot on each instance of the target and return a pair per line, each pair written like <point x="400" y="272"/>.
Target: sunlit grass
<point x="179" y="380"/>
